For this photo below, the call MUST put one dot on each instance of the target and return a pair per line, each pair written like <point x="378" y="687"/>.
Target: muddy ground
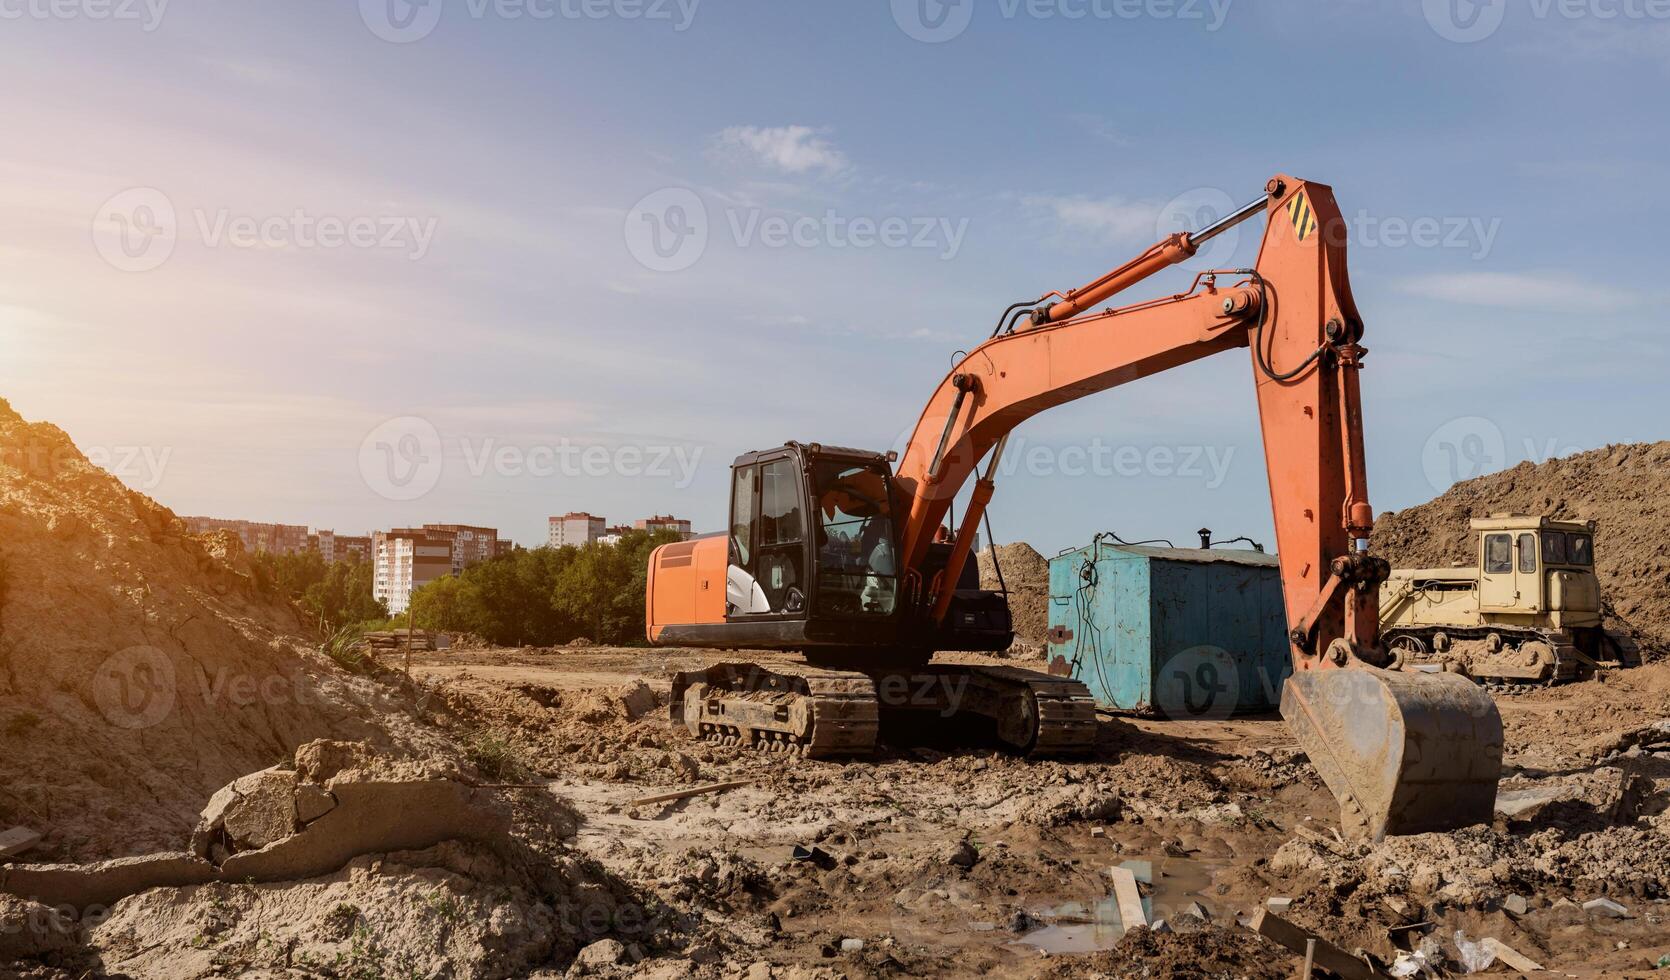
<point x="967" y="861"/>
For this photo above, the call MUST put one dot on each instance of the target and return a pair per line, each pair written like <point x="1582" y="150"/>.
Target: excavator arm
<point x="1404" y="753"/>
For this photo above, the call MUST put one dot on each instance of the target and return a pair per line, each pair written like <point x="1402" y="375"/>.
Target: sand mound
<point x="139" y="672"/>
<point x="1027" y="574"/>
<point x="1626" y="488"/>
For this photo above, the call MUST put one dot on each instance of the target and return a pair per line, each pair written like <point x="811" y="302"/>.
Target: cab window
<point x="1553" y="548"/>
<point x="1498" y="554"/>
<point x="742" y="517"/>
<point x="780" y="516"/>
<point x="1580" y="550"/>
<point x="1527" y="554"/>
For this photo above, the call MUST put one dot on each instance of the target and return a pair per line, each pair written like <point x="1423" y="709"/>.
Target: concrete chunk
<point x="1605" y="906"/>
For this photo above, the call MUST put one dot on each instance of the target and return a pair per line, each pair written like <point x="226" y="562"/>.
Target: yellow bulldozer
<point x="1528" y="611"/>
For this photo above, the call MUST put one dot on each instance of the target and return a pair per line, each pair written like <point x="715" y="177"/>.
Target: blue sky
<point x="491" y="308"/>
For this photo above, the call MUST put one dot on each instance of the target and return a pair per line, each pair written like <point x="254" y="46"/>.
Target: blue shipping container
<point x="1191" y="633"/>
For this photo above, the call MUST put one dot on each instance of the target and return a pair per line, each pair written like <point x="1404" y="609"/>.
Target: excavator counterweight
<point x="847" y="558"/>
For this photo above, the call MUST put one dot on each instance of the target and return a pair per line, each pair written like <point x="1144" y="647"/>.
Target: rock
<point x="1605" y="906"/>
<point x="1159" y="925"/>
<point x="601" y="954"/>
<point x="1198" y="911"/>
<point x="313" y="802"/>
<point x="758" y="970"/>
<point x="638" y="699"/>
<point x="962" y="855"/>
<point x="322" y="759"/>
<point x="250" y="813"/>
<point x="1516" y="904"/>
<point x="851" y="945"/>
<point x="1278" y="905"/>
<point x="29" y="929"/>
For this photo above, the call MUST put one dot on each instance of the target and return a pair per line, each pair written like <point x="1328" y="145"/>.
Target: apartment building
<point x="665" y="522"/>
<point x="469" y="544"/>
<point x="278" y="539"/>
<point x="574" y="529"/>
<point x="408" y="559"/>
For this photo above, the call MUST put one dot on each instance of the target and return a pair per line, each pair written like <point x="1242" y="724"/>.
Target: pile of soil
<point x="1027" y="575"/>
<point x="1625" y="488"/>
<point x="142" y="669"/>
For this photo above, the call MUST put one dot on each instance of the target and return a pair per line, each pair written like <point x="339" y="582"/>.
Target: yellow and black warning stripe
<point x="1304" y="220"/>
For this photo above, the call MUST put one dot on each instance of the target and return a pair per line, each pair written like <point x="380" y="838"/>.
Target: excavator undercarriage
<point x="822" y="714"/>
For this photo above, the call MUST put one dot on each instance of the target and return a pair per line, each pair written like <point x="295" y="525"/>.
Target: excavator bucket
<point x="1404" y="753"/>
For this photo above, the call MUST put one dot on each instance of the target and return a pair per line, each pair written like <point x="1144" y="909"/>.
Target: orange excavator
<point x="845" y="557"/>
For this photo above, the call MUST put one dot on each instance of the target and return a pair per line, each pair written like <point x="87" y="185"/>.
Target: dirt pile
<point x="1026" y="573"/>
<point x="1626" y="488"/>
<point x="140" y="670"/>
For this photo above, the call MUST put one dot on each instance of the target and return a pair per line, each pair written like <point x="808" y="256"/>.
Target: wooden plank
<point x="1512" y="957"/>
<point x="17" y="840"/>
<point x="685" y="794"/>
<point x="1129" y="897"/>
<point x="1328" y="956"/>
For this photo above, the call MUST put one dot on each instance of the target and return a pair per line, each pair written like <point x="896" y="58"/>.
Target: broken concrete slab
<point x="1605" y="906"/>
<point x="82" y="886"/>
<point x="369" y="816"/>
<point x="17" y="840"/>
<point x="263" y="809"/>
<point x="312" y="802"/>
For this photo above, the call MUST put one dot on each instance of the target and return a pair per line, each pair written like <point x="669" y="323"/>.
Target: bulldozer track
<point x="826" y="714"/>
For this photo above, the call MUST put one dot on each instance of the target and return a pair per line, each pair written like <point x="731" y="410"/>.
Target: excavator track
<point x="824" y="714"/>
<point x="818" y="714"/>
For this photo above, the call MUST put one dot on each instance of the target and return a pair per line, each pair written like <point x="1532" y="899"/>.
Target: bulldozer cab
<point x="1527" y="565"/>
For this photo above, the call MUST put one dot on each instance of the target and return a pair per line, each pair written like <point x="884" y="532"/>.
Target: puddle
<point x="1079" y="927"/>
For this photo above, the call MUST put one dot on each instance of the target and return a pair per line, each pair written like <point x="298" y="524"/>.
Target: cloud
<point x="1111" y="218"/>
<point x="788" y="149"/>
<point x="1522" y="291"/>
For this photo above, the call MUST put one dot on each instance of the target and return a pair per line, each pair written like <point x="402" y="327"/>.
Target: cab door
<point x="766" y="573"/>
<point x="1498" y="581"/>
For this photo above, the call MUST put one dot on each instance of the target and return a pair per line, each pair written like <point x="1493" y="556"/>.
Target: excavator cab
<point x="812" y="560"/>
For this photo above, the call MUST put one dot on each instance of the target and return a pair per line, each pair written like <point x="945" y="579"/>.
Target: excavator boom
<point x="1404" y="753"/>
<point x="833" y="552"/>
